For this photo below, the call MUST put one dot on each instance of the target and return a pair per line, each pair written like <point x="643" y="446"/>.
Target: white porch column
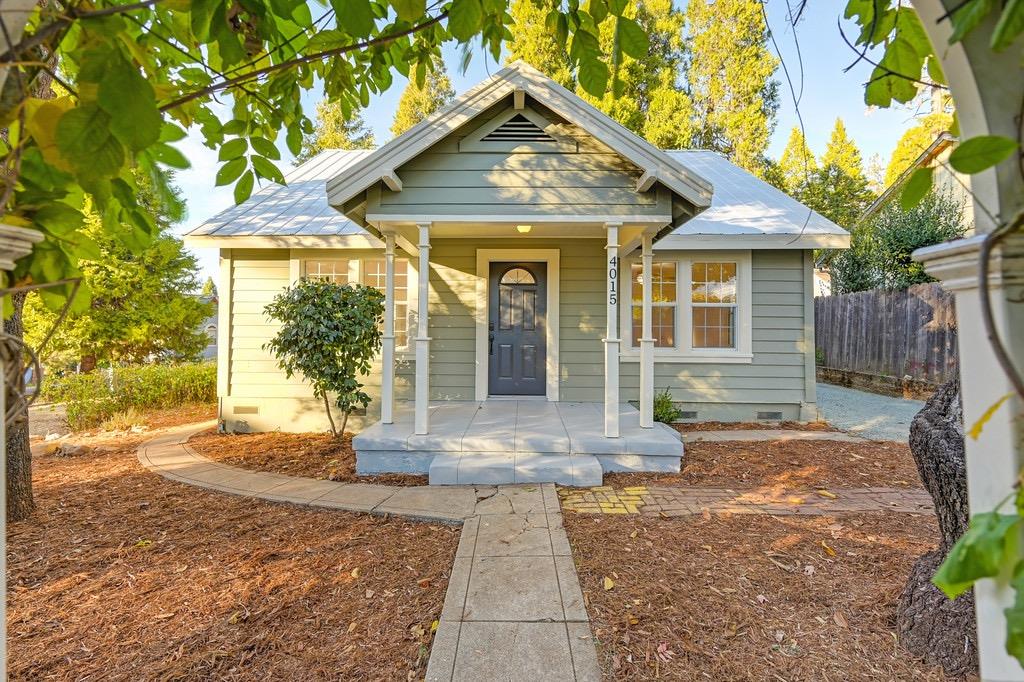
<point x="646" y="337"/>
<point x="611" y="340"/>
<point x="387" y="379"/>
<point x="422" y="417"/>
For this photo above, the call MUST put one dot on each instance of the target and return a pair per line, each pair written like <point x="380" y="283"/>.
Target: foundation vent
<point x="688" y="415"/>
<point x="518" y="129"/>
<point x="769" y="416"/>
<point x="245" y="409"/>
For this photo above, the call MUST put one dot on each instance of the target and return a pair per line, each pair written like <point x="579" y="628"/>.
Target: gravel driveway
<point x="879" y="417"/>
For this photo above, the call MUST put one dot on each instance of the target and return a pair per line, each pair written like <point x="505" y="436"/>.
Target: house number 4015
<point x="613" y="275"/>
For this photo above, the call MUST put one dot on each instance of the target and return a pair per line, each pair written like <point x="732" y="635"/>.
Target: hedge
<point x="93" y="397"/>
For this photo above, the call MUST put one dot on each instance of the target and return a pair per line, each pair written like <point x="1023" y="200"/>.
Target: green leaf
<point x="169" y="156"/>
<point x="232" y="149"/>
<point x="1009" y="26"/>
<point x="632" y="38"/>
<point x="617" y="7"/>
<point x="916" y="188"/>
<point x="293" y="138"/>
<point x="967" y="17"/>
<point x="1015" y="615"/>
<point x="171" y="132"/>
<point x="409" y="10"/>
<point x="265" y="169"/>
<point x="464" y="19"/>
<point x="231" y="171"/>
<point x="244" y="187"/>
<point x="984" y="151"/>
<point x="935" y="71"/>
<point x="131" y="102"/>
<point x="979" y="553"/>
<point x="265" y="147"/>
<point x="234" y="127"/>
<point x="894" y="78"/>
<point x="58" y="219"/>
<point x="910" y="29"/>
<point x="84" y="139"/>
<point x="355" y="16"/>
<point x="593" y="76"/>
<point x="598" y="9"/>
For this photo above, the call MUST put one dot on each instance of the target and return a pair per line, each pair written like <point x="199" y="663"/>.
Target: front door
<point x="517" y="329"/>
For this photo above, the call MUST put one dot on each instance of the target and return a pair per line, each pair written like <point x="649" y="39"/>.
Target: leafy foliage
<point x="93" y="397"/>
<point x="421" y="99"/>
<point x="335" y="130"/>
<point x="137" y="76"/>
<point x="914" y="141"/>
<point x="330" y="333"/>
<point x="665" y="410"/>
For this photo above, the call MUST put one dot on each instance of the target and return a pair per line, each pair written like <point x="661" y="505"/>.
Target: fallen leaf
<point x="351" y="626"/>
<point x="355" y="572"/>
<point x="828" y="550"/>
<point x="423" y="582"/>
<point x="369" y="594"/>
<point x="633" y="534"/>
<point x="827" y="494"/>
<point x="839" y="619"/>
<point x="434" y="625"/>
<point x="608" y="583"/>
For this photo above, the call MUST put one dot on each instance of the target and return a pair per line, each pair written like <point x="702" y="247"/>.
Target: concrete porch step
<point x="462" y="468"/>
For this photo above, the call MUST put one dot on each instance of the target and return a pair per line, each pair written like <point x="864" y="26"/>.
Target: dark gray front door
<point x="517" y="329"/>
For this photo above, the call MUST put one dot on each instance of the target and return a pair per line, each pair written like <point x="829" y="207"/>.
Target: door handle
<point x="490" y="344"/>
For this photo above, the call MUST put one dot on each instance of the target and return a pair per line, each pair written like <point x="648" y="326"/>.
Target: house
<point x="545" y="272"/>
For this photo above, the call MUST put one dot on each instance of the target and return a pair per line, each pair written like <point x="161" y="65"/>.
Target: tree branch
<point x="305" y="59"/>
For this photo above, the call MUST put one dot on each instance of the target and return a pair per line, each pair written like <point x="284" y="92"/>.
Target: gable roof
<point x="518" y="76"/>
<point x="743" y="208"/>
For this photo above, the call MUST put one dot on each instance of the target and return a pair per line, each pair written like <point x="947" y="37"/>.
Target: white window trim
<point x="297" y="263"/>
<point x="683" y="352"/>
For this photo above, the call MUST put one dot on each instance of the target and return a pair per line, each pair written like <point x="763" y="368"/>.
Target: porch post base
<point x="611" y="388"/>
<point x="647" y="383"/>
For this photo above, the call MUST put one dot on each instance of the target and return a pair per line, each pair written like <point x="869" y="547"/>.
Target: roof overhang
<point x="704" y="242"/>
<point x="344" y="191"/>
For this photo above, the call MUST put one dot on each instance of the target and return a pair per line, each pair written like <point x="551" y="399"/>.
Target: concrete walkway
<point x="873" y="416"/>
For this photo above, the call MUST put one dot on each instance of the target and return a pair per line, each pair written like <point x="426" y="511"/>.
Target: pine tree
<point x="842" y="152"/>
<point x="334" y="131"/>
<point x="209" y="287"/>
<point x="534" y="44"/>
<point x="838" y="189"/>
<point x="730" y="79"/>
<point x="419" y="102"/>
<point x="797" y="163"/>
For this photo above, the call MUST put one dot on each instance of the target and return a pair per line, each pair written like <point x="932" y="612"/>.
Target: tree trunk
<point x="344" y="422"/>
<point x="18" y="454"/>
<point x="940" y="631"/>
<point x="330" y="418"/>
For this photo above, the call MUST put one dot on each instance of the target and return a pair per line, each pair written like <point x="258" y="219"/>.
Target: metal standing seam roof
<point x="742" y="204"/>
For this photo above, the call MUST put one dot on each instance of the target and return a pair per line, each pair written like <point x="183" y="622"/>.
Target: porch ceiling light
<point x="523" y="229"/>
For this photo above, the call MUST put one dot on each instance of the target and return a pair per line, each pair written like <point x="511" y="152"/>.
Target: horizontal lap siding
<point x="776" y="375"/>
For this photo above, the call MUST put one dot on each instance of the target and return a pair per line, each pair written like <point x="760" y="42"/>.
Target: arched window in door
<point x="518" y="276"/>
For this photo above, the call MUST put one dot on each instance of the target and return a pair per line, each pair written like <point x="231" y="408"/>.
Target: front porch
<point x="516" y="441"/>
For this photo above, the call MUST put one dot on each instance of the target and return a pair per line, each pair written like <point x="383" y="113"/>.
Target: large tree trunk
<point x="940" y="631"/>
<point x="18" y="454"/>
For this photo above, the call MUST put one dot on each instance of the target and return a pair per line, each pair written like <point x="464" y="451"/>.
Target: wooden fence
<point x="888" y="335"/>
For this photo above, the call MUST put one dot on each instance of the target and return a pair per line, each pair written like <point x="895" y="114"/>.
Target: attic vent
<point x="769" y="416"/>
<point x="517" y="129"/>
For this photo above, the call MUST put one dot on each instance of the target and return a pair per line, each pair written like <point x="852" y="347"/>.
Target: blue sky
<point x="828" y="92"/>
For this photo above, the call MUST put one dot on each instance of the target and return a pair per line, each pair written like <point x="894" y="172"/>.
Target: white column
<point x="422" y="418"/>
<point x="611" y="340"/>
<point x="387" y="380"/>
<point x="646" y="338"/>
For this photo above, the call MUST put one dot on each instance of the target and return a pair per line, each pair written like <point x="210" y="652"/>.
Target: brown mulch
<point x="787" y="465"/>
<point x="687" y="427"/>
<point x="316" y="455"/>
<point x="122" y="575"/>
<point x="750" y="597"/>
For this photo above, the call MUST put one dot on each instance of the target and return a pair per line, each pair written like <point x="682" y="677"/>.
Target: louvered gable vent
<point x="517" y="129"/>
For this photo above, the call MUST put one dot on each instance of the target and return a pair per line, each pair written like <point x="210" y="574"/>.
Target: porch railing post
<point x="422" y="416"/>
<point x="611" y="340"/>
<point x="646" y="338"/>
<point x="387" y="380"/>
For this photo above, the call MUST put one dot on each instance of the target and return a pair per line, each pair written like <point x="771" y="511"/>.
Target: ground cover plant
<point x="120" y="574"/>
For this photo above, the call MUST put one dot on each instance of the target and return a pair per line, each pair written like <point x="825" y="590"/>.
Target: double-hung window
<point x="664" y="296"/>
<point x="713" y="300"/>
<point x="328" y="270"/>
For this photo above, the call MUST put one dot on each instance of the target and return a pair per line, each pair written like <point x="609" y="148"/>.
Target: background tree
<point x="797" y="163"/>
<point x="536" y="44"/>
<point x="420" y="100"/>
<point x="730" y="79"/>
<point x="209" y="287"/>
<point x="914" y="141"/>
<point x="837" y="188"/>
<point x="335" y="129"/>
<point x="142" y="304"/>
<point x="330" y="333"/>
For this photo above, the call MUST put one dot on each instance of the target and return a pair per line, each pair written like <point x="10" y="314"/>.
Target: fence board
<point x="907" y="333"/>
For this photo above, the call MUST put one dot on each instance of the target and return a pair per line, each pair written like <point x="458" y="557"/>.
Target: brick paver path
<point x="681" y="501"/>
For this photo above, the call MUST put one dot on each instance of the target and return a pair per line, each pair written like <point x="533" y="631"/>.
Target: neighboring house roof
<point x="939" y="145"/>
<point x="381" y="165"/>
<point x="742" y="204"/>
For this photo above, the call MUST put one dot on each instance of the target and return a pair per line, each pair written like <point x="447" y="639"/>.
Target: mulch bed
<point x="687" y="427"/>
<point x="787" y="465"/>
<point x="316" y="455"/>
<point x="750" y="597"/>
<point x="122" y="575"/>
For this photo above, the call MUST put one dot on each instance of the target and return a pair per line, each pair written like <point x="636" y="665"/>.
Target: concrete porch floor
<point x="516" y="441"/>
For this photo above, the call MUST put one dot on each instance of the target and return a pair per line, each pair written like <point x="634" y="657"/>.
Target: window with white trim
<point x="327" y="270"/>
<point x="374" y="275"/>
<point x="664" y="297"/>
<point x="713" y="300"/>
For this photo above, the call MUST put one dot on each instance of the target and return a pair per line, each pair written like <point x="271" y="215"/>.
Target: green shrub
<point x="92" y="398"/>
<point x="665" y="410"/>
